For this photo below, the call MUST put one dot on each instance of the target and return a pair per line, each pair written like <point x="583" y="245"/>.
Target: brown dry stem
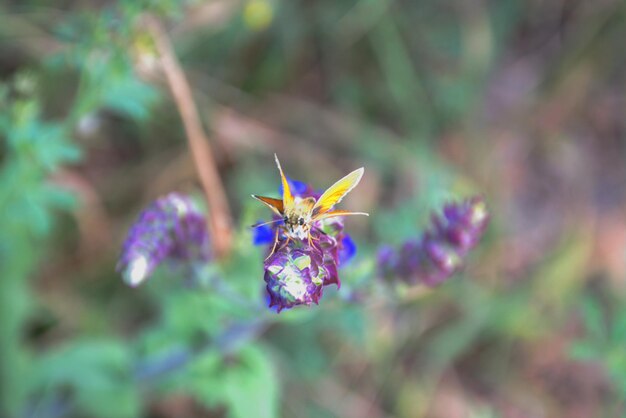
<point x="220" y="220"/>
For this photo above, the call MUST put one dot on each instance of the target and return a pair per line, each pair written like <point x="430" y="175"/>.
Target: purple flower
<point x="299" y="188"/>
<point x="439" y="252"/>
<point x="297" y="272"/>
<point x="262" y="235"/>
<point x="347" y="249"/>
<point x="172" y="228"/>
<point x="294" y="277"/>
<point x="387" y="260"/>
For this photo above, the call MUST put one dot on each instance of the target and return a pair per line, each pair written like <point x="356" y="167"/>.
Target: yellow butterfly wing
<point x="275" y="204"/>
<point x="287" y="196"/>
<point x="336" y="192"/>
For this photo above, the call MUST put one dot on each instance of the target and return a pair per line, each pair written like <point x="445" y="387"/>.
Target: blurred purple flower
<point x="262" y="235"/>
<point x="298" y="188"/>
<point x="172" y="228"/>
<point x="298" y="271"/>
<point x="347" y="249"/>
<point x="439" y="253"/>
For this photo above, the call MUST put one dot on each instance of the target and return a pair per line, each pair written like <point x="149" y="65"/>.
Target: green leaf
<point x="130" y="96"/>
<point x="99" y="375"/>
<point x="584" y="351"/>
<point x="618" y="328"/>
<point x="594" y="319"/>
<point x="251" y="388"/>
<point x="246" y="384"/>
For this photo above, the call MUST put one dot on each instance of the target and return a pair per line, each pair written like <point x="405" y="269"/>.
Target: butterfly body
<point x="299" y="214"/>
<point x="298" y="219"/>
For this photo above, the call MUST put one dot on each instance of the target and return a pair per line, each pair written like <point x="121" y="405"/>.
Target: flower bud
<point x="172" y="228"/>
<point x="439" y="252"/>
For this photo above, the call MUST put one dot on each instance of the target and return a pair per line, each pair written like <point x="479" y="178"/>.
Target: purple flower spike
<point x="439" y="253"/>
<point x="172" y="228"/>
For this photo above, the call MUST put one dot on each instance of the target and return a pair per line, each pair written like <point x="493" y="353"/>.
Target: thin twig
<point x="220" y="220"/>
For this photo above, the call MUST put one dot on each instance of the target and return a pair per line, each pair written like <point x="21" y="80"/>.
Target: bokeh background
<point x="522" y="102"/>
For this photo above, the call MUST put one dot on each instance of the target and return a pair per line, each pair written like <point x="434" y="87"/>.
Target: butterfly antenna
<point x="265" y="223"/>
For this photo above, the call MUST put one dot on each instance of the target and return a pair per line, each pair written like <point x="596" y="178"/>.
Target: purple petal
<point x="347" y="249"/>
<point x="262" y="235"/>
<point x="297" y="188"/>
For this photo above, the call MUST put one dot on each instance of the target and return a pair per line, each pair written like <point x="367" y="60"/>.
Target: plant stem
<point x="220" y="219"/>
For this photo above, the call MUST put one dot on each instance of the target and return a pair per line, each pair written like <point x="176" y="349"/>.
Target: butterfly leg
<point x="273" y="246"/>
<point x="274" y="249"/>
<point x="316" y="238"/>
<point x="286" y="242"/>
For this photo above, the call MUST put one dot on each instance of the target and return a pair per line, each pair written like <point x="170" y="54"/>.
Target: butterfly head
<point x="297" y="219"/>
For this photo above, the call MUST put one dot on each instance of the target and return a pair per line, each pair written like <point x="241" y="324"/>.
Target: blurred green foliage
<point x="34" y="149"/>
<point x="606" y="332"/>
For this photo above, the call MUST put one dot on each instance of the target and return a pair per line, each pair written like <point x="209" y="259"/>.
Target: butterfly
<point x="299" y="214"/>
